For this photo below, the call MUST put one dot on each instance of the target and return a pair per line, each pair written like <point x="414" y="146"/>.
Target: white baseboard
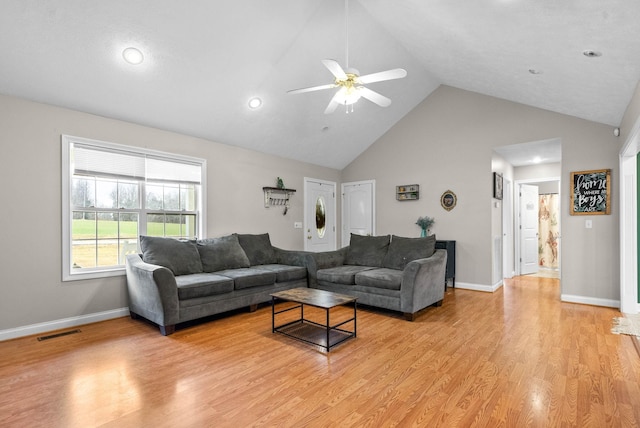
<point x="594" y="301"/>
<point x="32" y="329"/>
<point x="479" y="287"/>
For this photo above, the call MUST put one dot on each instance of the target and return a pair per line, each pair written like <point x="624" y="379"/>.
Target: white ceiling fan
<point x="350" y="82"/>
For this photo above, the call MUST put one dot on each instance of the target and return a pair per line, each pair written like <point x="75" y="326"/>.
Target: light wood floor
<point x="517" y="357"/>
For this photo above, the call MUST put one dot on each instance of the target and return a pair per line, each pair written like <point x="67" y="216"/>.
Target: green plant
<point x="425" y="222"/>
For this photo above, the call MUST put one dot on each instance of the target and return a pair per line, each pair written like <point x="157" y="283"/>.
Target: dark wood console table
<point x="450" y="246"/>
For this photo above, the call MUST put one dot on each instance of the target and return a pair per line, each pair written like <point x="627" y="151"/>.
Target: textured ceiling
<point x="204" y="60"/>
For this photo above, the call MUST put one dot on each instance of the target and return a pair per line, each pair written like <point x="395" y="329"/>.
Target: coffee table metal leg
<point x="355" y="323"/>
<point x="273" y="315"/>
<point x="328" y="331"/>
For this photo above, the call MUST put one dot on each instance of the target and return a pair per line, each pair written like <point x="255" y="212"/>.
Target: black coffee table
<point x="324" y="335"/>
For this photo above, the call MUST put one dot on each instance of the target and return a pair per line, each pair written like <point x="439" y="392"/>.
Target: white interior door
<point x="528" y="229"/>
<point x="319" y="215"/>
<point x="358" y="214"/>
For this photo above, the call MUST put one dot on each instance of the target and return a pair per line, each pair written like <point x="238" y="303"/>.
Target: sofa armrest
<point x="423" y="282"/>
<point x="153" y="292"/>
<point x="290" y="257"/>
<point x="323" y="260"/>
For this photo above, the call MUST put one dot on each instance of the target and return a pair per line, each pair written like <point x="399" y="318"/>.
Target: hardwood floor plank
<point x="516" y="357"/>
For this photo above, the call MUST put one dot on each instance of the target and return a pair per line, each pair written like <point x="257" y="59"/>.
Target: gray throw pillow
<point x="222" y="253"/>
<point x="404" y="250"/>
<point x="181" y="257"/>
<point x="367" y="250"/>
<point x="258" y="249"/>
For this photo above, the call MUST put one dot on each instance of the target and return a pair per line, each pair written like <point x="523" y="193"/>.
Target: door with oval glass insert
<point x="320" y="215"/>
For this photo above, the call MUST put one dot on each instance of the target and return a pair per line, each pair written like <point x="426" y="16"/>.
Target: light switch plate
<point x="297" y="225"/>
<point x="588" y="224"/>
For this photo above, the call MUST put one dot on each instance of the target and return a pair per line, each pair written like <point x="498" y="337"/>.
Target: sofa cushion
<point x="258" y="249"/>
<point x="202" y="285"/>
<point x="181" y="257"/>
<point x="285" y="273"/>
<point x="249" y="277"/>
<point x="389" y="279"/>
<point x="367" y="250"/>
<point x="403" y="250"/>
<point x="222" y="253"/>
<point x="345" y="274"/>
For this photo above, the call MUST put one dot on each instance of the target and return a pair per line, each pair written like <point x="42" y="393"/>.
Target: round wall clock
<point x="448" y="200"/>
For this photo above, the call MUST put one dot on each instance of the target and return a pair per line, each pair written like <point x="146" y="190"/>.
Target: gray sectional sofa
<point x="391" y="272"/>
<point x="175" y="281"/>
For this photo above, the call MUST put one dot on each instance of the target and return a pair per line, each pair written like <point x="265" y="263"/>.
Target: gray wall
<point x="31" y="287"/>
<point x="447" y="141"/>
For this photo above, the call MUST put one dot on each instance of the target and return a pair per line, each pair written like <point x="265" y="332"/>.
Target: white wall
<point x="447" y="141"/>
<point x="32" y="291"/>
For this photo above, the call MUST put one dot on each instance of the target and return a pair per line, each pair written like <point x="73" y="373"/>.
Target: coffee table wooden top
<point x="314" y="297"/>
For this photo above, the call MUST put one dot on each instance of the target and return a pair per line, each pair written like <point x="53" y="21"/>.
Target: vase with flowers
<point x="425" y="224"/>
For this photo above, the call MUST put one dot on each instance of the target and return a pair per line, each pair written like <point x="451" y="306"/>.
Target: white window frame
<point x="69" y="274"/>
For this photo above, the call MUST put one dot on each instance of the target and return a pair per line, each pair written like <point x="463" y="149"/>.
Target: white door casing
<point x="358" y="209"/>
<point x="528" y="229"/>
<point x="508" y="267"/>
<point x="319" y="215"/>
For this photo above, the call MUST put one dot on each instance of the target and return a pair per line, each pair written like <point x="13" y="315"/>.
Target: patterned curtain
<point x="548" y="243"/>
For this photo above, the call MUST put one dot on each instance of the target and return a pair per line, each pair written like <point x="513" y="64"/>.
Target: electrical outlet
<point x="588" y="224"/>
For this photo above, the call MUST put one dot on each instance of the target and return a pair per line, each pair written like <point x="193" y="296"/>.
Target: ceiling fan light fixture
<point x="351" y="86"/>
<point x="349" y="96"/>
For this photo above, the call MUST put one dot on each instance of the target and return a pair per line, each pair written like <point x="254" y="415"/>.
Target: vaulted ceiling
<point x="204" y="60"/>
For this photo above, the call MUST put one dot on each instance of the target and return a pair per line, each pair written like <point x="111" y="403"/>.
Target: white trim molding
<point x="593" y="301"/>
<point x="479" y="287"/>
<point x="28" y="330"/>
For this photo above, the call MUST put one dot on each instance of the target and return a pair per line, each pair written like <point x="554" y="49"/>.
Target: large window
<point x="112" y="194"/>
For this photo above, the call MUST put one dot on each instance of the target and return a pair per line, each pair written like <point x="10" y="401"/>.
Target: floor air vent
<point x="53" y="336"/>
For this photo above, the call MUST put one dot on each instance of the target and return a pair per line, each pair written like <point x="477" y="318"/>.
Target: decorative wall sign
<point x="497" y="185"/>
<point x="448" y="200"/>
<point x="591" y="192"/>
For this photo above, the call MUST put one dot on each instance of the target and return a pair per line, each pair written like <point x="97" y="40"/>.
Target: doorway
<point x="319" y="215"/>
<point x="358" y="209"/>
<point x="538" y="232"/>
<point x="629" y="287"/>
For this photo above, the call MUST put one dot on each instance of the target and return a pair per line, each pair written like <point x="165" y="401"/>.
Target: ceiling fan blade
<point x="374" y="97"/>
<point x="311" y="89"/>
<point x="396" y="73"/>
<point x="335" y="69"/>
<point x="334" y="103"/>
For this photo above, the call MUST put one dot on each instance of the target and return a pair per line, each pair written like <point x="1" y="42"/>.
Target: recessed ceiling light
<point x="537" y="159"/>
<point x="591" y="54"/>
<point x="255" y="102"/>
<point x="132" y="56"/>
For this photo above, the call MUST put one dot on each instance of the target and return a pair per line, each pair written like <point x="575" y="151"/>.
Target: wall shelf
<point x="408" y="192"/>
<point x="277" y="197"/>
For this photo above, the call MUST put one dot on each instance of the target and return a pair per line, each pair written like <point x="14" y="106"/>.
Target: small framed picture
<point x="497" y="185"/>
<point x="448" y="200"/>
